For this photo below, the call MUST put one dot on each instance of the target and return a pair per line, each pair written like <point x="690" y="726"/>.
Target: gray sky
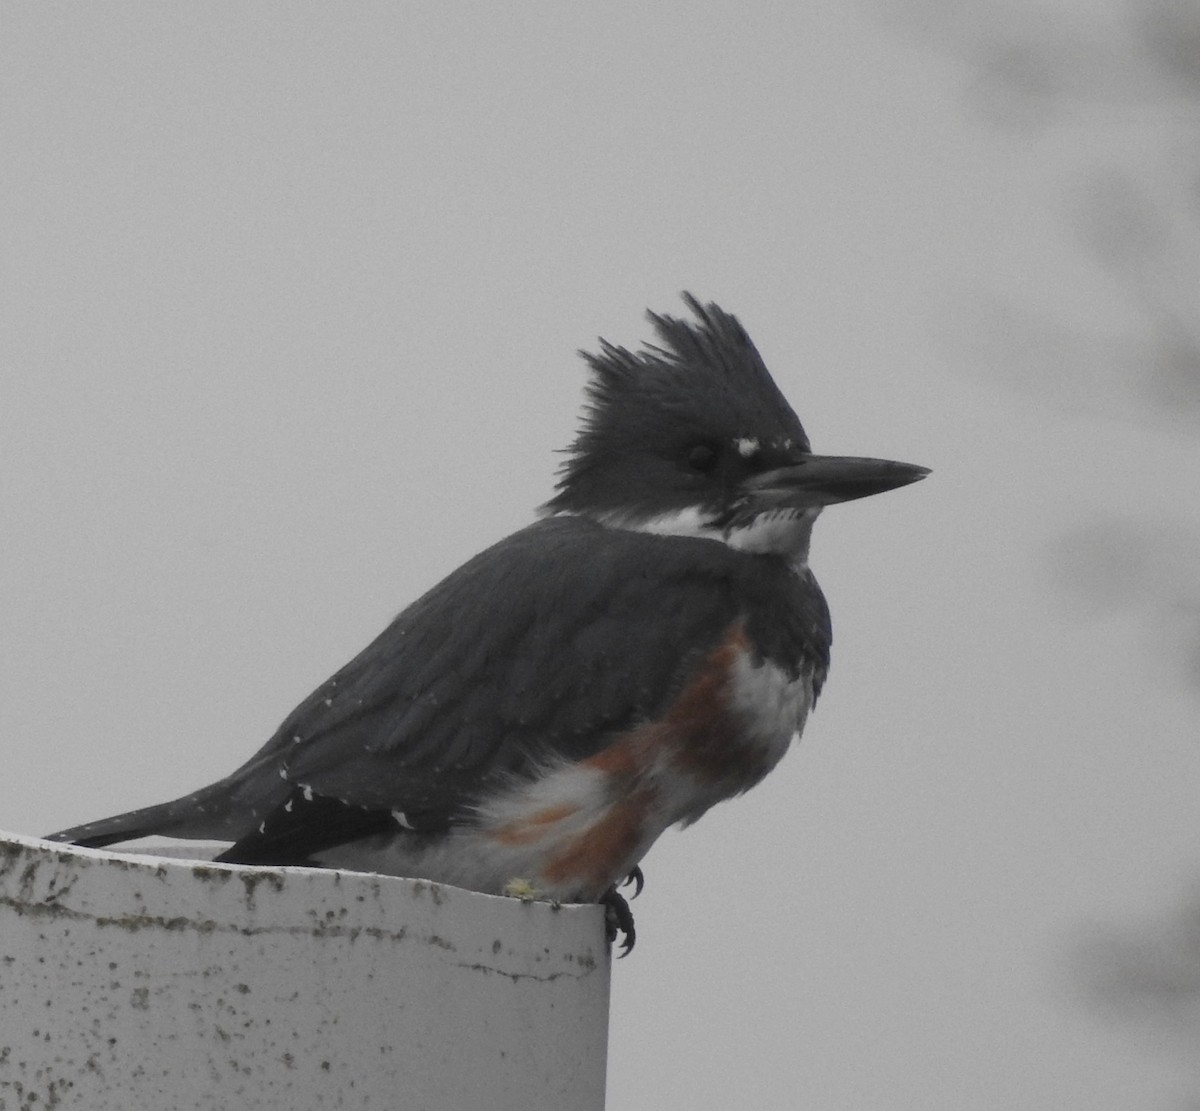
<point x="291" y="295"/>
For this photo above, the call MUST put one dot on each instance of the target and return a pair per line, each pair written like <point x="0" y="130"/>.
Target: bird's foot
<point x="637" y="879"/>
<point x="618" y="919"/>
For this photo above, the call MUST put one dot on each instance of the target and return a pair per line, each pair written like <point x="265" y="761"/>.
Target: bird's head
<point x="691" y="436"/>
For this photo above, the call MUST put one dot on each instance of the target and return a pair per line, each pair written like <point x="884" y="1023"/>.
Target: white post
<point x="137" y="983"/>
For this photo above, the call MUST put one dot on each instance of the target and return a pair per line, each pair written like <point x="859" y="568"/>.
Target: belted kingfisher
<point x="535" y="721"/>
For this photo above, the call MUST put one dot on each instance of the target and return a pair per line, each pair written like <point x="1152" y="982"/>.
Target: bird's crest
<point x="702" y="386"/>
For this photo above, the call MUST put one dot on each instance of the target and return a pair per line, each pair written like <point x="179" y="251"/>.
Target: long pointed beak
<point x="820" y="480"/>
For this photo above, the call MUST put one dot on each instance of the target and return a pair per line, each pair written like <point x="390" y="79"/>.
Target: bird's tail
<point x="208" y="814"/>
<point x="122" y="827"/>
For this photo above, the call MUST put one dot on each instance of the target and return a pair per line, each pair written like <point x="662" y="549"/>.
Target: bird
<point x="648" y="647"/>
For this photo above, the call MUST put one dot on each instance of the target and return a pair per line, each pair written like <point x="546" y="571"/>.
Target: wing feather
<point x="541" y="646"/>
<point x="545" y="646"/>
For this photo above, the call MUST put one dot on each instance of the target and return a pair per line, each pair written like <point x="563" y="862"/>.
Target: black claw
<point x="618" y="919"/>
<point x="637" y="879"/>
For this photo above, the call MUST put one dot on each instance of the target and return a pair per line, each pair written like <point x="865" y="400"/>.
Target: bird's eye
<point x="701" y="458"/>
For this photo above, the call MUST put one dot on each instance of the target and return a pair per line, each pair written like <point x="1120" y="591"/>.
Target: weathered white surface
<point x="132" y="982"/>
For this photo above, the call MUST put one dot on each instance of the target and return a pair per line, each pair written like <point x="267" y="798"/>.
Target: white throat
<point x="784" y="534"/>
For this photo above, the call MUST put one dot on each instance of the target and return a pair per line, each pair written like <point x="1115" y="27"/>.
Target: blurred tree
<point x="1116" y="87"/>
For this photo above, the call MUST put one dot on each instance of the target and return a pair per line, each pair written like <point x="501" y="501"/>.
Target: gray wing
<point x="546" y="645"/>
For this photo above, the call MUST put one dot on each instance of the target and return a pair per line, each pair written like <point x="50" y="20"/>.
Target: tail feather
<point x="207" y="815"/>
<point x="109" y="831"/>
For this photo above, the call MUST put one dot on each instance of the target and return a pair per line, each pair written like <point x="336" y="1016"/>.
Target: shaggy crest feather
<point x="703" y="384"/>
